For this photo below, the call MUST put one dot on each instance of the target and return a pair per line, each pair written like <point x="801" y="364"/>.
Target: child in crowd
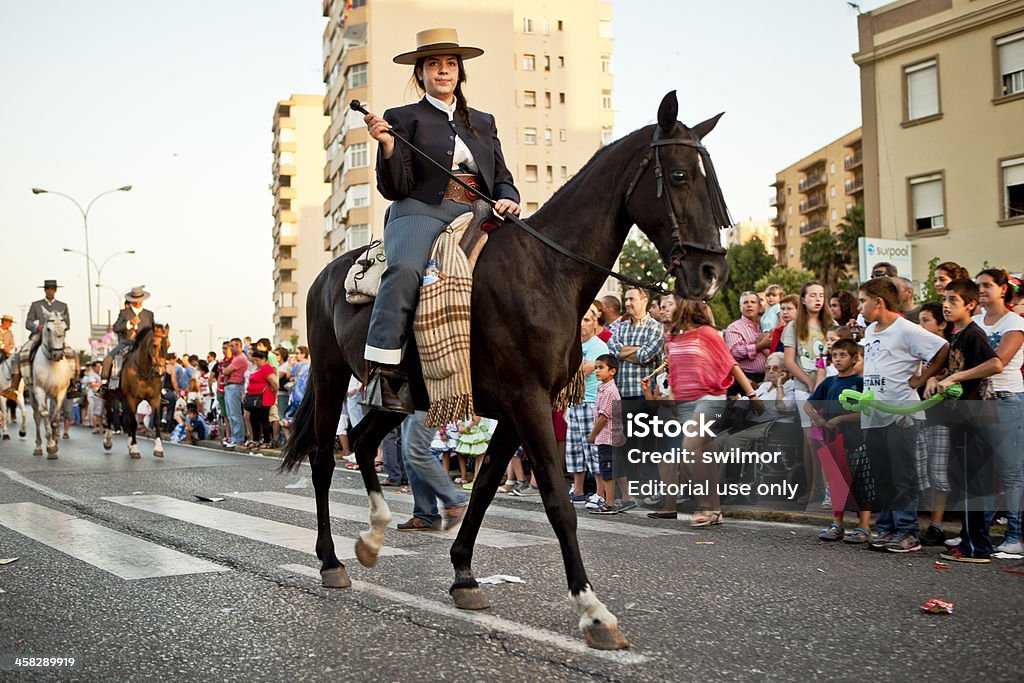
<point x="195" y="426"/>
<point x="934" y="436"/>
<point x="474" y="436"/>
<point x="971" y="359"/>
<point x="848" y="455"/>
<point x="770" y="317"/>
<point x="824" y="367"/>
<point x="787" y="314"/>
<point x="894" y="349"/>
<point x="607" y="431"/>
<point x="444" y="443"/>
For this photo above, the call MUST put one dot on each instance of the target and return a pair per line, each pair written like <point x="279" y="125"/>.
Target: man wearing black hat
<point x="132" y="318"/>
<point x="36" y="320"/>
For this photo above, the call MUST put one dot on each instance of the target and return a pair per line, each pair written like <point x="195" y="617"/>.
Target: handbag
<point x="251" y="401"/>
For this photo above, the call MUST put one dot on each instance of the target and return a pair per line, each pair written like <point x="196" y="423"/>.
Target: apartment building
<point x="546" y="75"/>
<point x="942" y="98"/>
<point x="816" y="193"/>
<point x="744" y="231"/>
<point x="299" y="193"/>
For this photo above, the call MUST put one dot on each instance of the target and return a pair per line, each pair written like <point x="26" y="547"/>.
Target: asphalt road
<point x="121" y="567"/>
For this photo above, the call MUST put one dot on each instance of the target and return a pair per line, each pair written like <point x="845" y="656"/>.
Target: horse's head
<point x="160" y="345"/>
<point x="679" y="204"/>
<point x="56" y="329"/>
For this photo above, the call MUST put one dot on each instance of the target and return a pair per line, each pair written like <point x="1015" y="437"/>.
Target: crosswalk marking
<point x="112" y="551"/>
<point x="238" y="524"/>
<point x="584" y="522"/>
<point x="493" y="538"/>
<point x="490" y="622"/>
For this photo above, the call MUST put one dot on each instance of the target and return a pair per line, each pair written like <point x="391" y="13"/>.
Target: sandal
<point x="702" y="519"/>
<point x="352" y="466"/>
<point x="858" y="535"/>
<point x="834" y="532"/>
<point x="389" y="482"/>
<point x="663" y="515"/>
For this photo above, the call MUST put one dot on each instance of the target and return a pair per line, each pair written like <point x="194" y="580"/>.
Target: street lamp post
<point x="99" y="270"/>
<point x="185" y="332"/>
<point x="85" y="223"/>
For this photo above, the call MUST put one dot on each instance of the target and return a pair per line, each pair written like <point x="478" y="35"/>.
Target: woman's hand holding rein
<point x="380" y="131"/>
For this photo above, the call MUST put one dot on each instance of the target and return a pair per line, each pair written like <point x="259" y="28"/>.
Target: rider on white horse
<point x="34" y="323"/>
<point x="132" y="318"/>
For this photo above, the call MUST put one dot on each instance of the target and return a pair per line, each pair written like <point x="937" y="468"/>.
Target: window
<point x="527" y="25"/>
<point x="559" y="24"/>
<point x="606" y="135"/>
<point x="357" y="155"/>
<point x="529" y="62"/>
<point x="561" y="59"/>
<point x="1013" y="188"/>
<point x="547" y="136"/>
<point x="561" y="98"/>
<point x="286" y="135"/>
<point x="926" y="203"/>
<point x="563" y="135"/>
<point x="357" y="196"/>
<point x="531" y="207"/>
<point x="357" y="75"/>
<point x="834" y="214"/>
<point x="545" y="27"/>
<point x="531" y="173"/>
<point x="357" y="3"/>
<point x="832" y="191"/>
<point x="353" y="119"/>
<point x="1011" y="63"/>
<point x="286" y="158"/>
<point x="550" y="173"/>
<point x="606" y="64"/>
<point x="529" y="98"/>
<point x="604" y="29"/>
<point x="284" y="181"/>
<point x="832" y="170"/>
<point x="921" y="82"/>
<point x="356" y="236"/>
<point x="529" y="136"/>
<point x="547" y="62"/>
<point x="564" y="171"/>
<point x="547" y="99"/>
<point x="606" y="99"/>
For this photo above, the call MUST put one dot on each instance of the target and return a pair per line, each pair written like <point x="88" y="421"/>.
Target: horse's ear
<point x="705" y="127"/>
<point x="668" y="112"/>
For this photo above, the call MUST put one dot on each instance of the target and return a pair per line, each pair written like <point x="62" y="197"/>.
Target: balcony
<point x="813" y="204"/>
<point x="287" y="264"/>
<point x="812" y="181"/>
<point x="287" y="312"/>
<point x="813" y="226"/>
<point x="856" y="161"/>
<point x="779" y="220"/>
<point x="811" y="165"/>
<point x="777" y="199"/>
<point x="855" y="186"/>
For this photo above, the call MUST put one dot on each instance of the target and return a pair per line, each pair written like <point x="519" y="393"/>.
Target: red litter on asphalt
<point x="936" y="606"/>
<point x="941" y="565"/>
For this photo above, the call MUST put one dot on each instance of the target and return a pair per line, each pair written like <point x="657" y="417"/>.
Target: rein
<point x="678" y="249"/>
<point x="52" y="353"/>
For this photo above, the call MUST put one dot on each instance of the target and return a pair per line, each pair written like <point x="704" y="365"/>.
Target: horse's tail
<point x="302" y="440"/>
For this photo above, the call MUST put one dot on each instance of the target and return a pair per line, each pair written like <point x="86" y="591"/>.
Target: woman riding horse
<point x="425" y="200"/>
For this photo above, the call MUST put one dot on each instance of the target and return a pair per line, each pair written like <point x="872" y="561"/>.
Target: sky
<point x="177" y="101"/>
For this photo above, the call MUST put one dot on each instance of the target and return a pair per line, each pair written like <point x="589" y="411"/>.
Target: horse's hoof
<point x="158" y="454"/>
<point x="135" y="456"/>
<point x="470" y="598"/>
<point x="335" y="577"/>
<point x="605" y="637"/>
<point x="37" y="451"/>
<point x="366" y="555"/>
<point x="7" y="437"/>
<point x="107" y="445"/>
<point x="51" y="456"/>
<point x="22" y="434"/>
<point x="51" y="450"/>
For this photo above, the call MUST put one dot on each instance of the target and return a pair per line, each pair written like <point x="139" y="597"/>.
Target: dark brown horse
<point x="141" y="378"/>
<point x="527" y="303"/>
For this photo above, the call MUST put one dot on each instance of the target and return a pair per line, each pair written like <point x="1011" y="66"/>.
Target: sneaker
<point x="594" y="502"/>
<point x="881" y="540"/>
<point x="526" y="491"/>
<point x="624" y="505"/>
<point x="933" y="535"/>
<point x="1009" y="547"/>
<point x="952" y="542"/>
<point x="826" y="504"/>
<point x="833" y="533"/>
<point x="519" y="486"/>
<point x="957" y="555"/>
<point x="903" y="544"/>
<point x="606" y="510"/>
<point x="577" y="500"/>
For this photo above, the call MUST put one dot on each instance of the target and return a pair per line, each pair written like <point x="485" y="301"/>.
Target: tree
<point x="822" y="253"/>
<point x="748" y="263"/>
<point x="790" y="279"/>
<point x="640" y="260"/>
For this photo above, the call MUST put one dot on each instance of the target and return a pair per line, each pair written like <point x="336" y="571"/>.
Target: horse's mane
<point x="143" y="336"/>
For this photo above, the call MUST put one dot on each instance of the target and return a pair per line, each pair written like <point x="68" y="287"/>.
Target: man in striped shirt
<point x="747" y="344"/>
<point x="638" y="344"/>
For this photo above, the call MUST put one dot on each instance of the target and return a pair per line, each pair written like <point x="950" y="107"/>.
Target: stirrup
<point x="387" y="389"/>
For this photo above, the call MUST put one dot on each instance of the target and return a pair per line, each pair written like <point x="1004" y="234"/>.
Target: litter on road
<point x="500" y="578"/>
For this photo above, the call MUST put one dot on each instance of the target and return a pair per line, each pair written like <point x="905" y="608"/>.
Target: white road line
<point x="584" y="520"/>
<point x="484" y="620"/>
<point x="45" y="490"/>
<point x="492" y="538"/>
<point x="238" y="524"/>
<point x="112" y="551"/>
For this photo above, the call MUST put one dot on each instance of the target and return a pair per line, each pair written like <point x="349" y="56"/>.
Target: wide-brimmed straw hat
<point x="438" y="41"/>
<point x="6" y="317"/>
<point x="137" y="294"/>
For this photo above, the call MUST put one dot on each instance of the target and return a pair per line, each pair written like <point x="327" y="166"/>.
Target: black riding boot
<point x="387" y="388"/>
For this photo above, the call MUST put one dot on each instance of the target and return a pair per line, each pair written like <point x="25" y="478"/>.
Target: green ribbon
<point x="863" y="401"/>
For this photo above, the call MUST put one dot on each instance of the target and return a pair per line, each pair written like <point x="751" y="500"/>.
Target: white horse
<point x="52" y="372"/>
<point x="6" y="372"/>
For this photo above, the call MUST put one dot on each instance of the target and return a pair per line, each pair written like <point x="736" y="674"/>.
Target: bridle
<point x="51" y="352"/>
<point x="719" y="211"/>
